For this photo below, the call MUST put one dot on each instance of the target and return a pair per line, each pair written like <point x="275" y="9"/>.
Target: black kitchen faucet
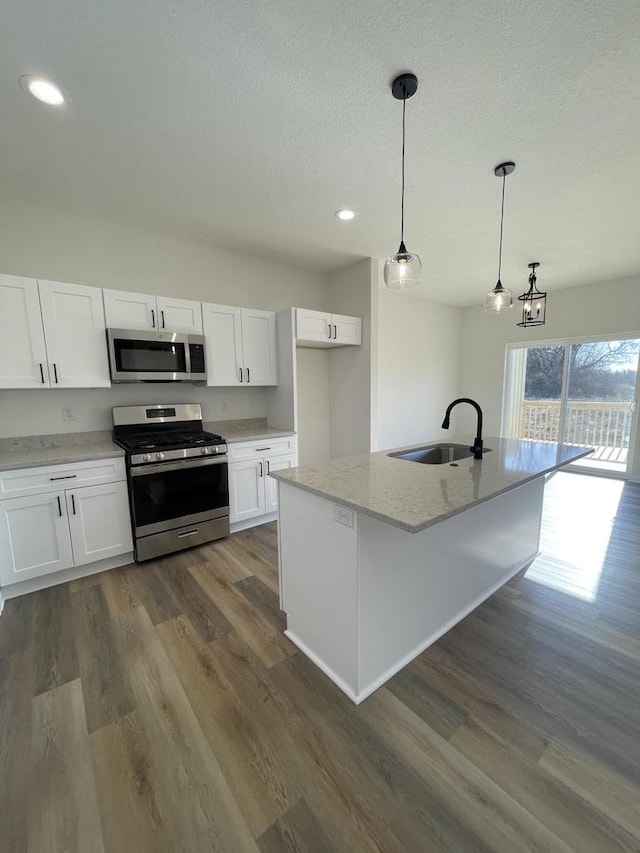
<point x="477" y="444"/>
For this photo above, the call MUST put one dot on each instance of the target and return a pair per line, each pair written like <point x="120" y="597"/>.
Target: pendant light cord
<point x="404" y="109"/>
<point x="504" y="178"/>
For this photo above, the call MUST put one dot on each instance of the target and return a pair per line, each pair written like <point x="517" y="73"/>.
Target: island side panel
<point x="414" y="587"/>
<point x="318" y="571"/>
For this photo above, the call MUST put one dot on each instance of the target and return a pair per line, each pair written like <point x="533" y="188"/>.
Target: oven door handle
<point x="142" y="470"/>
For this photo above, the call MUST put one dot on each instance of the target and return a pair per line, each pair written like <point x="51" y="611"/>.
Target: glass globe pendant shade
<point x="498" y="300"/>
<point x="402" y="270"/>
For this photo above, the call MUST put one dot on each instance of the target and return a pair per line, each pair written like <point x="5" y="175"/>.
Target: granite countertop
<point x="255" y="429"/>
<point x="414" y="496"/>
<point x="32" y="451"/>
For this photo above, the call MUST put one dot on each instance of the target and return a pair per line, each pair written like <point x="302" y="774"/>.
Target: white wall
<point x="353" y="291"/>
<point x="607" y="308"/>
<point x="314" y="400"/>
<point x="49" y="244"/>
<point x="418" y="367"/>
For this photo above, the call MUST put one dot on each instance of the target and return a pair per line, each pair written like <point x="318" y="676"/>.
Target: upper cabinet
<point x="319" y="329"/>
<point x="51" y="335"/>
<point x="240" y="344"/>
<point x="125" y="310"/>
<point x="23" y="356"/>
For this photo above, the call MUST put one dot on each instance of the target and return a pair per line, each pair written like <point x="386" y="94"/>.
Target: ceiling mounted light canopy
<point x="534" y="301"/>
<point x="44" y="90"/>
<point x="500" y="299"/>
<point x="403" y="269"/>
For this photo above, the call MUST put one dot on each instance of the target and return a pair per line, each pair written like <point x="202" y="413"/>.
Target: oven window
<point x="187" y="490"/>
<point x="149" y="356"/>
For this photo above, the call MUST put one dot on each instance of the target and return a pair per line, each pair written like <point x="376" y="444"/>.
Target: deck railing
<point x="599" y="424"/>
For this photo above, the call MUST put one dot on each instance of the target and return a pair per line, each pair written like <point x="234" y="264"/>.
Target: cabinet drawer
<point x="31" y="481"/>
<point x="257" y="449"/>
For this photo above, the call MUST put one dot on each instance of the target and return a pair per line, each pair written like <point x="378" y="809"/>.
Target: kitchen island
<point x="380" y="556"/>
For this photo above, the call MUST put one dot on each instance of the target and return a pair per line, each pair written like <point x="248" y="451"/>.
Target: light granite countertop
<point x="414" y="496"/>
<point x="255" y="429"/>
<point x="32" y="451"/>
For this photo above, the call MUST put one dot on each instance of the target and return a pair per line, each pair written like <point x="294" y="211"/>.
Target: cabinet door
<point x="125" y="310"/>
<point x="246" y="490"/>
<point x="275" y="463"/>
<point x="223" y="344"/>
<point x="99" y="521"/>
<point x="23" y="358"/>
<point x="259" y="346"/>
<point x="74" y="329"/>
<point x="347" y="330"/>
<point x="180" y="315"/>
<point x="34" y="537"/>
<point x="312" y="325"/>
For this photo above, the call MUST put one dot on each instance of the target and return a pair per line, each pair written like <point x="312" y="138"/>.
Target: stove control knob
<point x="147" y="457"/>
<point x="159" y="455"/>
<point x="204" y="450"/>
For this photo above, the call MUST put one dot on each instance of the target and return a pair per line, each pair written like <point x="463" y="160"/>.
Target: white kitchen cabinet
<point x="99" y="522"/>
<point x="142" y="311"/>
<point x="51" y="335"/>
<point x="61" y="526"/>
<point x="34" y="537"/>
<point x="252" y="492"/>
<point x="74" y="330"/>
<point x="275" y="463"/>
<point x="23" y="356"/>
<point x="240" y="344"/>
<point x="320" y="329"/>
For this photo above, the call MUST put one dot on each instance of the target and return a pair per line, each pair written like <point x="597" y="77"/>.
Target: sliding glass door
<point x="579" y="392"/>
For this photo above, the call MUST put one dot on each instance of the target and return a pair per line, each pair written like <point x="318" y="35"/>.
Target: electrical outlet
<point x="224" y="405"/>
<point x="68" y="414"/>
<point x="343" y="515"/>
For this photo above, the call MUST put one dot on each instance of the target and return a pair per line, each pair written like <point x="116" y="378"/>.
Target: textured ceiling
<point x="247" y="124"/>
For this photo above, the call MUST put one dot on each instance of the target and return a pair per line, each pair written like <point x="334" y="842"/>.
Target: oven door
<point x="148" y="356"/>
<point x="171" y="494"/>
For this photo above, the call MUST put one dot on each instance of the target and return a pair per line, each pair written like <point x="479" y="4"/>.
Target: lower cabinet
<point x="252" y="492"/>
<point x="60" y="528"/>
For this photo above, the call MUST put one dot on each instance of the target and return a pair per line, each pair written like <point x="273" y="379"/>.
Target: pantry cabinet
<point x="320" y="329"/>
<point x="50" y="521"/>
<point x="52" y="335"/>
<point x="142" y="311"/>
<point x="240" y="345"/>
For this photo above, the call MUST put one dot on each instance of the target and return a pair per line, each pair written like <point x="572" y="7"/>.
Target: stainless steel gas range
<point x="177" y="476"/>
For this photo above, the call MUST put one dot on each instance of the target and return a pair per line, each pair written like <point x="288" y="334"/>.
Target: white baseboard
<point x="237" y="526"/>
<point x="72" y="574"/>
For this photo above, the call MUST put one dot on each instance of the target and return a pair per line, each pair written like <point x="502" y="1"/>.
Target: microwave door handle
<point x="187" y="355"/>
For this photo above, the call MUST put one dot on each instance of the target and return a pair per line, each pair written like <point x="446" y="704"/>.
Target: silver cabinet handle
<point x="153" y="319"/>
<point x="188" y="533"/>
<point x="59" y="506"/>
<point x="41" y="373"/>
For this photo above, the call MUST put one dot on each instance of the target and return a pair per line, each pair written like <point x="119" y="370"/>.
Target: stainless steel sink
<point x="436" y="454"/>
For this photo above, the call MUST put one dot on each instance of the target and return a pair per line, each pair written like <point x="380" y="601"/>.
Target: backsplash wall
<point x="39" y="411"/>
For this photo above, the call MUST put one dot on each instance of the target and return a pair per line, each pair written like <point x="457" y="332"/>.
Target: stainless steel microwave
<point x="137" y="356"/>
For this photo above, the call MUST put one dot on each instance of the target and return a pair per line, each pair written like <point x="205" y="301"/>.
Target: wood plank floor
<point x="160" y="708"/>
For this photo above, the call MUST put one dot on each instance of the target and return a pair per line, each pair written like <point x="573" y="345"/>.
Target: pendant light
<point x="499" y="300"/>
<point x="403" y="269"/>
<point x="534" y="301"/>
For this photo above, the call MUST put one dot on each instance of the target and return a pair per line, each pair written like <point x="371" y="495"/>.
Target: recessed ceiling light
<point x="44" y="90"/>
<point x="345" y="214"/>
